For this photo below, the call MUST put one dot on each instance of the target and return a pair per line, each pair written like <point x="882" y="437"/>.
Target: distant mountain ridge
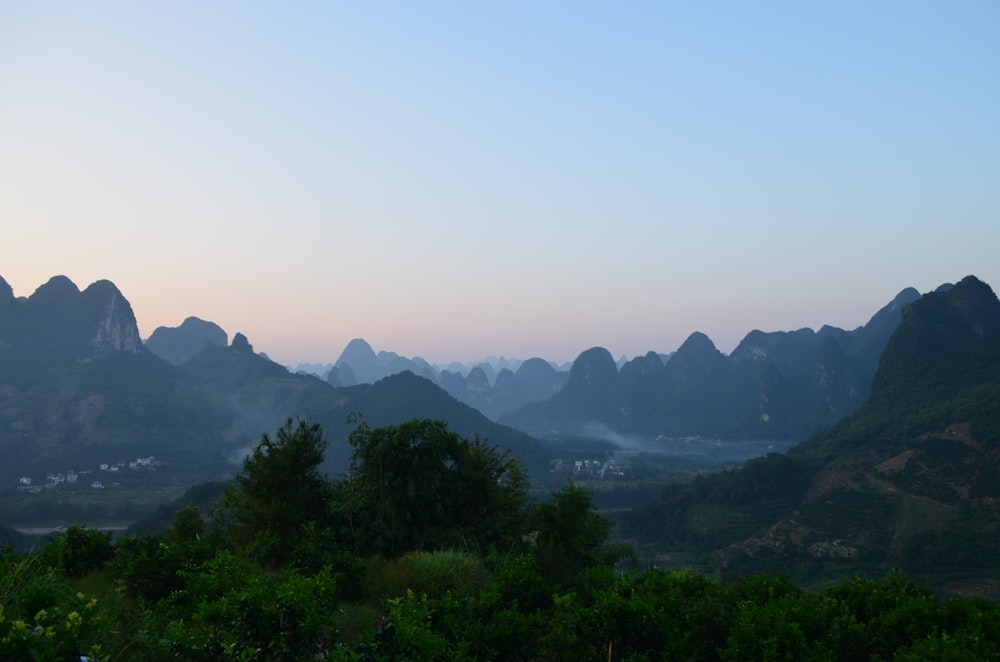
<point x="78" y="389"/>
<point x="909" y="480"/>
<point x="782" y="385"/>
<point x="773" y="384"/>
<point x="179" y="344"/>
<point x="59" y="317"/>
<point x="492" y="393"/>
<point x="778" y="385"/>
<point x="75" y="377"/>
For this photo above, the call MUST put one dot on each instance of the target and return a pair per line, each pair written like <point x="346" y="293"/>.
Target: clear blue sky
<point x="457" y="179"/>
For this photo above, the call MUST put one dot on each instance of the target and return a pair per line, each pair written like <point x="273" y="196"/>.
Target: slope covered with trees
<point x="907" y="481"/>
<point x="281" y="573"/>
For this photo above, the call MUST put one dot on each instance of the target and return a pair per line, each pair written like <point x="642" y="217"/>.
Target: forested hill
<point x="909" y="480"/>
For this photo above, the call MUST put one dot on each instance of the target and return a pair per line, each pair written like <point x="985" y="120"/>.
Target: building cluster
<point x="599" y="469"/>
<point x="73" y="477"/>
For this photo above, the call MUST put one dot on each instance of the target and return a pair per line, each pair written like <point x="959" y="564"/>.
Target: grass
<point x="431" y="573"/>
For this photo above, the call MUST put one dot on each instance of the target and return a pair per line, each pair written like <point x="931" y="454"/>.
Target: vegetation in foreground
<point x="428" y="549"/>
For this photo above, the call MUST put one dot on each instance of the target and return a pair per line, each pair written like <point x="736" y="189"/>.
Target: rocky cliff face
<point x="60" y="318"/>
<point x="116" y="329"/>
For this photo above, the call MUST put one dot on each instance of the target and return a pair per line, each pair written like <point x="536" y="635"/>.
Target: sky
<point x="453" y="180"/>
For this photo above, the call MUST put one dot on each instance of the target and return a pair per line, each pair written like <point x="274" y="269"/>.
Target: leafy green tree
<point x="508" y="619"/>
<point x="492" y="490"/>
<point x="419" y="486"/>
<point x="279" y="491"/>
<point x="188" y="526"/>
<point x="79" y="551"/>
<point x="567" y="536"/>
<point x="150" y="566"/>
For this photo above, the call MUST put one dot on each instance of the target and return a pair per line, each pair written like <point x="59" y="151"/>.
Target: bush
<point x="79" y="551"/>
<point x="41" y="618"/>
<point x="433" y="574"/>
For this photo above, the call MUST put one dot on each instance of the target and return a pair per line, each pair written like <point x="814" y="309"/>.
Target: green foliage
<point x="507" y="619"/>
<point x="418" y="486"/>
<point x="407" y="633"/>
<point x="188" y="526"/>
<point x="79" y="551"/>
<point x="433" y="574"/>
<point x="549" y="592"/>
<point x="226" y="606"/>
<point x="41" y="617"/>
<point x="713" y="511"/>
<point x="150" y="567"/>
<point x="63" y="631"/>
<point x="257" y="616"/>
<point x="567" y="536"/>
<point x="279" y="490"/>
<point x="319" y="549"/>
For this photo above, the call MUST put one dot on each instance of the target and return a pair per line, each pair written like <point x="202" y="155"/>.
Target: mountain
<point x="492" y="393"/>
<point x="779" y="385"/>
<point x="79" y="390"/>
<point x="909" y="480"/>
<point x="359" y="364"/>
<point x="533" y="381"/>
<point x="60" y="319"/>
<point x="405" y="396"/>
<point x="260" y="395"/>
<point x="77" y="387"/>
<point x="178" y="344"/>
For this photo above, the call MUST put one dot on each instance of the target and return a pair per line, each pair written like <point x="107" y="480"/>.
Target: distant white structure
<point x="25" y="480"/>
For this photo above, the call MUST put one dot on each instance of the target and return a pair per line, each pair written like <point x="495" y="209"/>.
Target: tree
<point x="188" y="526"/>
<point x="492" y="489"/>
<point x="419" y="486"/>
<point x="280" y="490"/>
<point x="79" y="551"/>
<point x="568" y="536"/>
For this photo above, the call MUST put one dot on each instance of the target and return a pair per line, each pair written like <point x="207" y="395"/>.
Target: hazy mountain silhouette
<point x="535" y="380"/>
<point x="359" y="364"/>
<point x="908" y="480"/>
<point x="78" y="388"/>
<point x="76" y="381"/>
<point x="778" y="385"/>
<point x="491" y="392"/>
<point x="178" y="344"/>
<point x="59" y="318"/>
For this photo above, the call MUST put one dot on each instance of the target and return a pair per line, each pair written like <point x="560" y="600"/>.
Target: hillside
<point x="909" y="480"/>
<point x="78" y="389"/>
